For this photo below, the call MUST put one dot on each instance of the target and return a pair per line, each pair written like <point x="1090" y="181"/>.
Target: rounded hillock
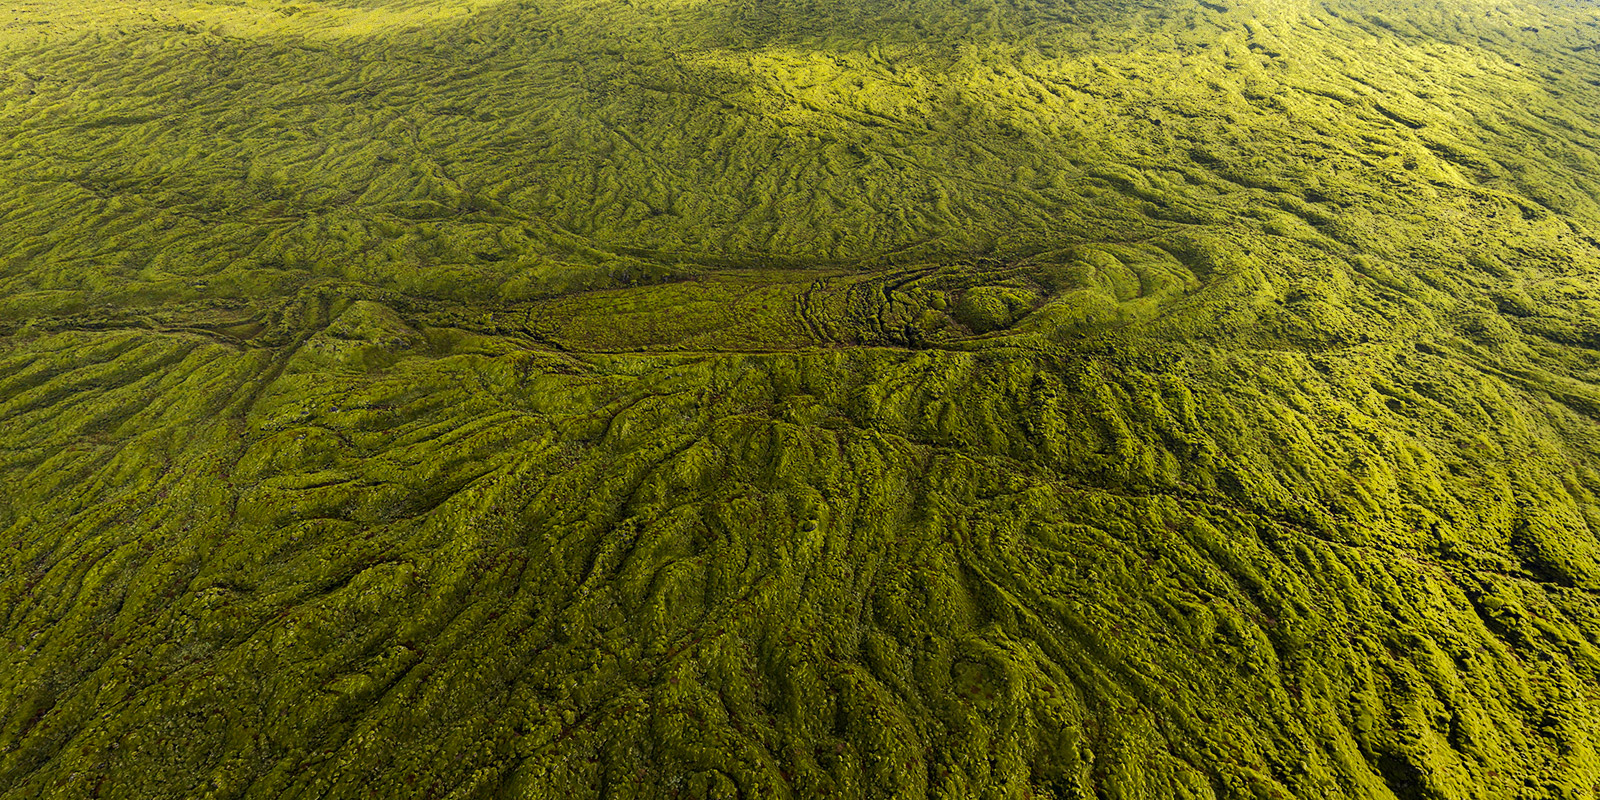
<point x="984" y="309"/>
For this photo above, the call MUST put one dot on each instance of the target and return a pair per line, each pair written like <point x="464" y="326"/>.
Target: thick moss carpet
<point x="800" y="398"/>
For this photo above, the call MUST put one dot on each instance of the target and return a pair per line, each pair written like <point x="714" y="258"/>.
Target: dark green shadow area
<point x="527" y="151"/>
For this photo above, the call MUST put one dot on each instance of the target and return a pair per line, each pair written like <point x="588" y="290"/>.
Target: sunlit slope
<point x="862" y="399"/>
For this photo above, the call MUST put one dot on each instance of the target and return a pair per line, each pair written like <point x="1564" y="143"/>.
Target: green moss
<point x="984" y="309"/>
<point x="885" y="399"/>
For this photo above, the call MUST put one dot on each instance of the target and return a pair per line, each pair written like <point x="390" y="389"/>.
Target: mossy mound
<point x="989" y="308"/>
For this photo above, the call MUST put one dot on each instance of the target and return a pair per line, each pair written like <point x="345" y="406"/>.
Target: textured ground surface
<point x="799" y="398"/>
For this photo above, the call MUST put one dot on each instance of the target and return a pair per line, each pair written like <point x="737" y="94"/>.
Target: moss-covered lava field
<point x="991" y="399"/>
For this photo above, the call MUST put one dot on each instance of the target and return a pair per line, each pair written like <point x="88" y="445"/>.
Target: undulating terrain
<point x="800" y="398"/>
